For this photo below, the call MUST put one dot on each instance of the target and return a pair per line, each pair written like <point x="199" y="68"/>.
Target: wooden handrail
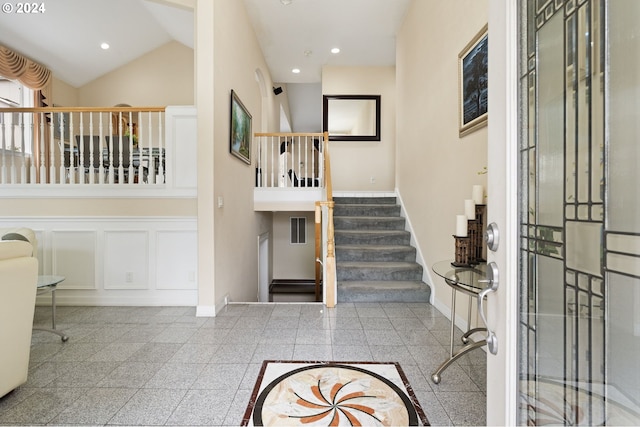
<point x="284" y="134"/>
<point x="83" y="109"/>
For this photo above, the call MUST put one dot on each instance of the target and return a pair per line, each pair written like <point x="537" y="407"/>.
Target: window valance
<point x="17" y="67"/>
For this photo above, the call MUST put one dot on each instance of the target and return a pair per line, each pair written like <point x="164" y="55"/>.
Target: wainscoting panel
<point x="177" y="259"/>
<point x="129" y="261"/>
<point x="126" y="259"/>
<point x="73" y="256"/>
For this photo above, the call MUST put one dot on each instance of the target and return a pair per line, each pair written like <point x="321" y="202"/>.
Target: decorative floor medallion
<point x="333" y="394"/>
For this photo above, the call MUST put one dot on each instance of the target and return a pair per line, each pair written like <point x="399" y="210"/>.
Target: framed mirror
<point x="351" y="117"/>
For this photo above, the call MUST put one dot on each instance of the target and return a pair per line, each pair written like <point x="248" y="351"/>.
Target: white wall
<point x="353" y="164"/>
<point x="293" y="261"/>
<point x="228" y="261"/>
<point x="435" y="168"/>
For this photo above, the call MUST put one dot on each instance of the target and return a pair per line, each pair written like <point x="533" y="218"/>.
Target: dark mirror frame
<point x="325" y="117"/>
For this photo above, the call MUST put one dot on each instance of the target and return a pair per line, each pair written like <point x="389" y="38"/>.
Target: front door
<point x="564" y="189"/>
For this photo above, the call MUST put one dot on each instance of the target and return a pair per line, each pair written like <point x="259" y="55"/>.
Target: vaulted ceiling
<point x="292" y="34"/>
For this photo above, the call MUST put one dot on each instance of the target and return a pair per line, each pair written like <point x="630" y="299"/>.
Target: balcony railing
<point x="78" y="146"/>
<point x="290" y="160"/>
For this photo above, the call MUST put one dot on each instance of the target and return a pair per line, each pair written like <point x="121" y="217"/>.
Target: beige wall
<point x="293" y="261"/>
<point x="228" y="235"/>
<point x="63" y="94"/>
<point x="353" y="164"/>
<point x="435" y="168"/>
<point x="162" y="77"/>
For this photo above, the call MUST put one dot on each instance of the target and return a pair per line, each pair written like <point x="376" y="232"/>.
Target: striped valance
<point x="16" y="67"/>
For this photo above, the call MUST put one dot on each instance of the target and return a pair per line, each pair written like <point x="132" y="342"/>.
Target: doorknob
<point x="492" y="280"/>
<point x="493" y="236"/>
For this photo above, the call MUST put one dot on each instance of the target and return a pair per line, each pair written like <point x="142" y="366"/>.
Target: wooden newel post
<point x="331" y="261"/>
<point x="318" y="258"/>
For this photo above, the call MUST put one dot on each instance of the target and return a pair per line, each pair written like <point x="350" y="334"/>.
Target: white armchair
<point x="18" y="278"/>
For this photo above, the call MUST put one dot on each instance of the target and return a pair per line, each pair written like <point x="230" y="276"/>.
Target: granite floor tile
<point x="95" y="407"/>
<point x="464" y="408"/>
<point x="352" y="353"/>
<point x="234" y="353"/>
<point x="222" y="376"/>
<point x="162" y="365"/>
<point x="194" y="353"/>
<point x="202" y="408"/>
<point x="116" y="352"/>
<point x="175" y="375"/>
<point x="148" y="407"/>
<point x="312" y="352"/>
<point x="313" y="336"/>
<point x="272" y="352"/>
<point x="130" y="375"/>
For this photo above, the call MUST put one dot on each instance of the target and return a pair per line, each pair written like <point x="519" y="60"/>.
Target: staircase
<point x="374" y="260"/>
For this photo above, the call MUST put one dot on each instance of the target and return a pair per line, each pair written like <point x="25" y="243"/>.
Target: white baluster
<point x="101" y="150"/>
<point x="81" y="166"/>
<point x="23" y="156"/>
<point x="92" y="149"/>
<point x="52" y="151"/>
<point x="131" y="171"/>
<point x="152" y="161"/>
<point x="120" y="144"/>
<point x="33" y="167"/>
<point x="43" y="170"/>
<point x="161" y="152"/>
<point x="4" y="149"/>
<point x="273" y="164"/>
<point x="14" y="178"/>
<point x="141" y="177"/>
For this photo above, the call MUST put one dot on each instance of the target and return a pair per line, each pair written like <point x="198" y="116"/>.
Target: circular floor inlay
<point x="333" y="395"/>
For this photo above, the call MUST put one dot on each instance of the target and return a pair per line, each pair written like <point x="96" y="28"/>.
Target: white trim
<point x="426" y="272"/>
<point x="502" y="188"/>
<point x="206" y="311"/>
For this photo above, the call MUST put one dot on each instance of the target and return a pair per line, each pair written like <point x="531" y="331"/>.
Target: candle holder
<point x="462" y="252"/>
<point x="479" y="227"/>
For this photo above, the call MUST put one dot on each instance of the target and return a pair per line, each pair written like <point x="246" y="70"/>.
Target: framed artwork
<point x="473" y="83"/>
<point x="240" y="130"/>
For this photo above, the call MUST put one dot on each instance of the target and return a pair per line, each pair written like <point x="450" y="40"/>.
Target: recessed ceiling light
<point x="104" y="46"/>
<point x="296" y="71"/>
<point x="286" y="2"/>
<point x="335" y="50"/>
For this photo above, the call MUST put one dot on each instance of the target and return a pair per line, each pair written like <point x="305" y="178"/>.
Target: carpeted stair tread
<point x="361" y="209"/>
<point x="369" y="237"/>
<point x="354" y="270"/>
<point x="369" y="222"/>
<point x="383" y="291"/>
<point x="375" y="253"/>
<point x="365" y="200"/>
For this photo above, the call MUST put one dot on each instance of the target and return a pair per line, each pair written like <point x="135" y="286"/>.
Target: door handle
<point x="492" y="280"/>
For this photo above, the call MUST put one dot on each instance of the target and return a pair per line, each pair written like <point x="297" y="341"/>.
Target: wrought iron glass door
<point x="579" y="338"/>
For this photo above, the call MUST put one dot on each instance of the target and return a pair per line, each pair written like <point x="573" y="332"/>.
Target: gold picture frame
<point x="473" y="82"/>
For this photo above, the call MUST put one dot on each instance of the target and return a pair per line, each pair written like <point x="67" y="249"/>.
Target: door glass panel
<point x="580" y="224"/>
<point x="550" y="124"/>
<point x="624" y="128"/>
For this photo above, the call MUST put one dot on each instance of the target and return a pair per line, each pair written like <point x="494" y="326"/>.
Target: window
<point x="298" y="231"/>
<point x="14" y="94"/>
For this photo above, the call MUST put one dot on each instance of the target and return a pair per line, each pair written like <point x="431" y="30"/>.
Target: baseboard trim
<point x="205" y="311"/>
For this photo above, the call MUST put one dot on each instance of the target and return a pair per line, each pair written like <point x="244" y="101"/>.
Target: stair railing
<point x="325" y="233"/>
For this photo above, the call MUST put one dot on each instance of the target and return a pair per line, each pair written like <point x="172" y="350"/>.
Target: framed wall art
<point x="473" y="83"/>
<point x="239" y="130"/>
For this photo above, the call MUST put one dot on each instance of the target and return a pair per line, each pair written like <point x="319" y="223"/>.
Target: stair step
<point x="368" y="223"/>
<point x="292" y="286"/>
<point x="372" y="237"/>
<point x="375" y="253"/>
<point x="352" y="270"/>
<point x="365" y="200"/>
<point x="361" y="209"/>
<point x="383" y="291"/>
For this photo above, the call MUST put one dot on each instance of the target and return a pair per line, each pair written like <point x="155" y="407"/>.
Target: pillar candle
<point x="470" y="209"/>
<point x="477" y="194"/>
<point x="461" y="225"/>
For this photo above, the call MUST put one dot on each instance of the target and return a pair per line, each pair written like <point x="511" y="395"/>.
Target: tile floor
<point x="164" y="366"/>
